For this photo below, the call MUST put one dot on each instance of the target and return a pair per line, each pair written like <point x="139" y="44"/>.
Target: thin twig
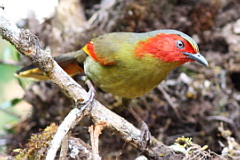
<point x="64" y="147"/>
<point x="170" y="101"/>
<point x="95" y="131"/>
<point x="69" y="122"/>
<point x="220" y="118"/>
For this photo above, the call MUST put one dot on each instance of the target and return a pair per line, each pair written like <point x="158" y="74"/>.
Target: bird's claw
<point x="88" y="102"/>
<point x="145" y="137"/>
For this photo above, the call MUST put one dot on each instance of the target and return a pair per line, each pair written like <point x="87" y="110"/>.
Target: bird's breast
<point x="127" y="78"/>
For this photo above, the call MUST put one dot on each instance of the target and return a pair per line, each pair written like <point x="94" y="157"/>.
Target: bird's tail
<point x="72" y="63"/>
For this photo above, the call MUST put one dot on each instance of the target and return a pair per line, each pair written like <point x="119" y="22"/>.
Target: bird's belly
<point x="122" y="81"/>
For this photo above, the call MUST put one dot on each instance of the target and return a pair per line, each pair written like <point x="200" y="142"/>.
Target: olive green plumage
<point x="129" y="77"/>
<point x="114" y="63"/>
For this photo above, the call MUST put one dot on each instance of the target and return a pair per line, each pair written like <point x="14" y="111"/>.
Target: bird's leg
<point x="91" y="93"/>
<point x="146" y="137"/>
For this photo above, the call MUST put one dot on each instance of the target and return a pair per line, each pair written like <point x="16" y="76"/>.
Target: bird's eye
<point x="180" y="44"/>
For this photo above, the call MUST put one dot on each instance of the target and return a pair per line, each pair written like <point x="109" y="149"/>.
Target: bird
<point x="128" y="64"/>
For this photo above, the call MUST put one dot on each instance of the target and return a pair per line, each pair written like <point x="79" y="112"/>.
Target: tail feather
<point x="70" y="62"/>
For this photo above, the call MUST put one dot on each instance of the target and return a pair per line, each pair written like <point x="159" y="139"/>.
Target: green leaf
<point x="11" y="103"/>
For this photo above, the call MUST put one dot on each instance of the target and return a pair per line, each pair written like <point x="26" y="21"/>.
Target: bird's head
<point x="171" y="46"/>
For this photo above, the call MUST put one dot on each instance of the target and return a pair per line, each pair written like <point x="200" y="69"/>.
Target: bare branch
<point x="170" y="101"/>
<point x="64" y="147"/>
<point x="68" y="123"/>
<point x="95" y="131"/>
<point x="28" y="45"/>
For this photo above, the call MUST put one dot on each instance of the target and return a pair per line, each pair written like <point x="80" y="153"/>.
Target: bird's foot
<point x="145" y="137"/>
<point x="91" y="92"/>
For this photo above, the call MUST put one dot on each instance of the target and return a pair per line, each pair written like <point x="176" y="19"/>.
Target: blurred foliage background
<point x="12" y="108"/>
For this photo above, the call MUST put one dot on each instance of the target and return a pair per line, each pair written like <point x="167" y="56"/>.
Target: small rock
<point x="236" y="27"/>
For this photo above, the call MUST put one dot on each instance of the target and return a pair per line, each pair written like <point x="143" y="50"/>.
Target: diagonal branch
<point x="28" y="45"/>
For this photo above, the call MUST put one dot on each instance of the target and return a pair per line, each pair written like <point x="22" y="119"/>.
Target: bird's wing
<point x="102" y="59"/>
<point x="109" y="48"/>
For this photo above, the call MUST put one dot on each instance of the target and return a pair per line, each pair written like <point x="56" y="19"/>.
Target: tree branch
<point x="28" y="45"/>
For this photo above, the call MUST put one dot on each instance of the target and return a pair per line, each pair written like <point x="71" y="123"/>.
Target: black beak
<point x="197" y="57"/>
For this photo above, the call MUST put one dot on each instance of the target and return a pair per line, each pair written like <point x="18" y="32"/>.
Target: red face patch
<point x="166" y="48"/>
